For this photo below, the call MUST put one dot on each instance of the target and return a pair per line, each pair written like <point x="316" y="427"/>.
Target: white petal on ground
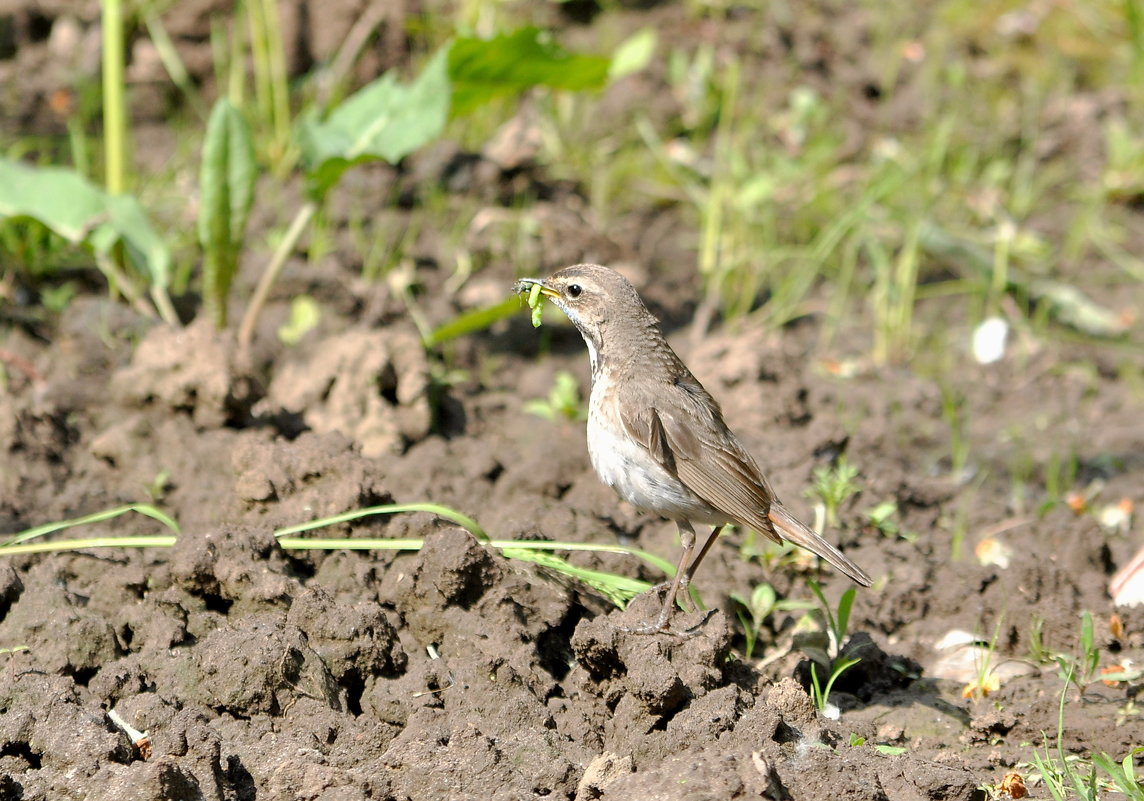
<point x="989" y="340"/>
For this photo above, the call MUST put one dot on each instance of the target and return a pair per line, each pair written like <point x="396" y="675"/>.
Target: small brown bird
<point x="657" y="437"/>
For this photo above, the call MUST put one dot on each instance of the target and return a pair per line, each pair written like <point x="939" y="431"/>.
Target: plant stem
<point x="119" y="281"/>
<point x="266" y="282"/>
<point x="162" y="301"/>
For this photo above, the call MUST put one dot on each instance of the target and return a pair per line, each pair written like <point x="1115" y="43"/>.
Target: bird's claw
<point x="663" y="627"/>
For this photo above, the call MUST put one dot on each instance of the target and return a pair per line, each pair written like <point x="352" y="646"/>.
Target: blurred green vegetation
<point x="862" y="162"/>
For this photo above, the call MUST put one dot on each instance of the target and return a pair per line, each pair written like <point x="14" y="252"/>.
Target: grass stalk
<point x="114" y="103"/>
<point x="619" y="589"/>
<point x="271" y="90"/>
<point x="172" y="63"/>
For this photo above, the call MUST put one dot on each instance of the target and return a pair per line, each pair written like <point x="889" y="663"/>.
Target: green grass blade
<point x="464" y="521"/>
<point x="169" y="56"/>
<point x="98" y="517"/>
<point x="473" y="321"/>
<point x="349" y="544"/>
<point x="660" y="564"/>
<point x="55" y="546"/>
<point x="837" y="669"/>
<point x="618" y="589"/>
<point x="365" y="544"/>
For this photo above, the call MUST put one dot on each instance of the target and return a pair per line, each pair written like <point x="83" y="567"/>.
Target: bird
<point x="657" y="437"/>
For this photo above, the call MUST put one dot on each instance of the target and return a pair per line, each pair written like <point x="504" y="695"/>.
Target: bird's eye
<point x="574" y="290"/>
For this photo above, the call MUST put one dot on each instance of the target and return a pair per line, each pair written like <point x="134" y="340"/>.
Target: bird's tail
<point x="802" y="535"/>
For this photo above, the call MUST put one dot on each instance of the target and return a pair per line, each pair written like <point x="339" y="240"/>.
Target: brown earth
<point x="455" y="673"/>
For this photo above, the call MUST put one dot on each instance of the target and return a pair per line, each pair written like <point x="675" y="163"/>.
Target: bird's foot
<point x="681" y="592"/>
<point x="654" y="627"/>
<point x="658" y="626"/>
<point x="661" y="623"/>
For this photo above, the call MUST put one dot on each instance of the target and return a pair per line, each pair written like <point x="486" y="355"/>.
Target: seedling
<point x="140" y="740"/>
<point x="1067" y="775"/>
<point x="1038" y="651"/>
<point x="158" y="485"/>
<point x="1082" y="669"/>
<point x="953" y="411"/>
<point x="563" y="400"/>
<point x="882" y="517"/>
<point x="834" y="486"/>
<point x="226" y="183"/>
<point x="1123" y="773"/>
<point x="305" y="314"/>
<point x="857" y="741"/>
<point x="837" y="622"/>
<point x="753" y="612"/>
<point x="821" y="695"/>
<point x="986" y="680"/>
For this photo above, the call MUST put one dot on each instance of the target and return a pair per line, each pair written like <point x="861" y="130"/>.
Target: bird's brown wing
<point x="690" y="440"/>
<point x="685" y="433"/>
<point x="684" y="430"/>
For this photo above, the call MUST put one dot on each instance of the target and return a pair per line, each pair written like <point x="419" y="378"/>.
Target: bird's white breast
<point x="628" y="468"/>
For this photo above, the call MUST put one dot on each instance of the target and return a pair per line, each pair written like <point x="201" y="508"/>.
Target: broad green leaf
<point x="59" y="198"/>
<point x="383" y="121"/>
<point x="82" y="213"/>
<point x="226" y="180"/>
<point x="483" y="69"/>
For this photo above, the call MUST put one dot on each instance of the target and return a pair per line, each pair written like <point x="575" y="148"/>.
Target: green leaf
<point x="59" y="198"/>
<point x="633" y="54"/>
<point x="472" y="321"/>
<point x="483" y="69"/>
<point x="226" y="179"/>
<point x="384" y="121"/>
<point x="763" y="599"/>
<point x="82" y="213"/>
<point x="57" y="298"/>
<point x="845" y="604"/>
<point x="304" y="316"/>
<point x="890" y="750"/>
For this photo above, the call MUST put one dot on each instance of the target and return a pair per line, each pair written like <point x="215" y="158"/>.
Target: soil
<point x="455" y="673"/>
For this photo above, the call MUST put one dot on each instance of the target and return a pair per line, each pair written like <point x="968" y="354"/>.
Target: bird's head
<point x="595" y="299"/>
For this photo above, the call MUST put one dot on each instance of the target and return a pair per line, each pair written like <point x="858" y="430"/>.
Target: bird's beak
<point x="526" y="284"/>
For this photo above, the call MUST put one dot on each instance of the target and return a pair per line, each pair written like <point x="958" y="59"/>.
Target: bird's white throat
<point x="593" y="356"/>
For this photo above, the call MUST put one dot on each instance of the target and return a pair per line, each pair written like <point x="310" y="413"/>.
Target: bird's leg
<point x="687" y="540"/>
<point x="714" y="535"/>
